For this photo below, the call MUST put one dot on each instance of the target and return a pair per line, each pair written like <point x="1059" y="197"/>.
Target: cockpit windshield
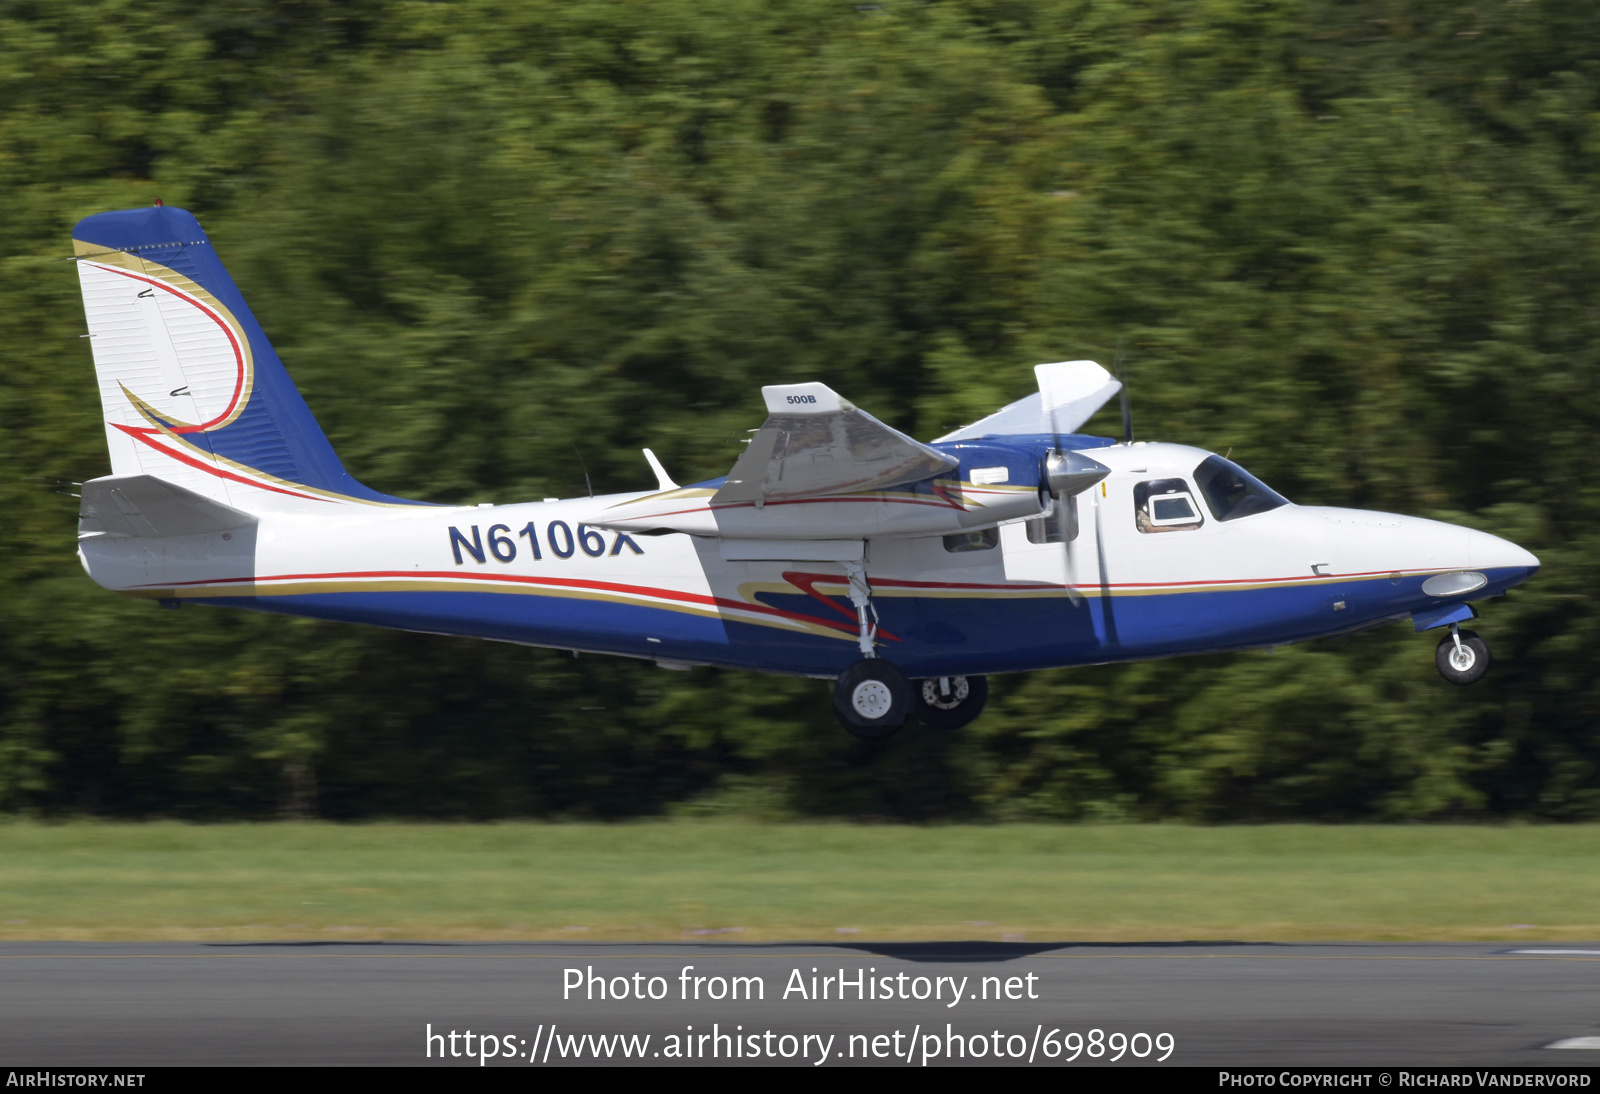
<point x="1232" y="492"/>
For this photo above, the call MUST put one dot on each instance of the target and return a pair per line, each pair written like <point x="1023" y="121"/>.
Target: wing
<point x="814" y="443"/>
<point x="1069" y="394"/>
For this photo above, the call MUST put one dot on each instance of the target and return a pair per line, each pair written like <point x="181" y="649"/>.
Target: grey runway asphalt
<point x="1223" y="1004"/>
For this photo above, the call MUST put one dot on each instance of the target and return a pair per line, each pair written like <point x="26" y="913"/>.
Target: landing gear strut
<point x="1462" y="657"/>
<point x="950" y="702"/>
<point x="872" y="698"/>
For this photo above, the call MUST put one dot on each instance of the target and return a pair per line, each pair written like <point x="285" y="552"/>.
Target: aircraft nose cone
<point x="1488" y="552"/>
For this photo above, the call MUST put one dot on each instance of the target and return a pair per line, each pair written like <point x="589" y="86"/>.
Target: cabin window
<point x="1058" y="527"/>
<point x="986" y="540"/>
<point x="1165" y="505"/>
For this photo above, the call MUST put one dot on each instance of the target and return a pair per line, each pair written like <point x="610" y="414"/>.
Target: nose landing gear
<point x="1462" y="657"/>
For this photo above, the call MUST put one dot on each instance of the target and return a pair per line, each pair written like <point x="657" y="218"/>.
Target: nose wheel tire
<point x="1465" y="665"/>
<point x="872" y="699"/>
<point x="950" y="702"/>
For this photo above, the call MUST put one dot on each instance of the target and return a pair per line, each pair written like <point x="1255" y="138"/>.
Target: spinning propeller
<point x="1071" y="392"/>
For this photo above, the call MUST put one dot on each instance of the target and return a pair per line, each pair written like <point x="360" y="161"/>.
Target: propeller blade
<point x="1106" y="605"/>
<point x="1077" y="388"/>
<point x="1069" y="474"/>
<point x="1067" y="526"/>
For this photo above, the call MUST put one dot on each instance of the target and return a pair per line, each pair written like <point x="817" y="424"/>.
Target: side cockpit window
<point x="1232" y="492"/>
<point x="1165" y="505"/>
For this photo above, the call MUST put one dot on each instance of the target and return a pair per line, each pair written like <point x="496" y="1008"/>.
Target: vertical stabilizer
<point x="192" y="391"/>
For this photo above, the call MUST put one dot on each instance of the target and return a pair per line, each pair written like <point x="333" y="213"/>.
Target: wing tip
<point x="811" y="398"/>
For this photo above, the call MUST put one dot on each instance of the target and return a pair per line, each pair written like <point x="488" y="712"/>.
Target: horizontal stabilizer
<point x="815" y="443"/>
<point x="1069" y="394"/>
<point x="152" y="508"/>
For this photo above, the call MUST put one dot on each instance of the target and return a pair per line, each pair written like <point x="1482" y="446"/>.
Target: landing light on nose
<point x="1459" y="583"/>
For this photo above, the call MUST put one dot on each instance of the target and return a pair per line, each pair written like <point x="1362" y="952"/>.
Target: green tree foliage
<point x="1353" y="241"/>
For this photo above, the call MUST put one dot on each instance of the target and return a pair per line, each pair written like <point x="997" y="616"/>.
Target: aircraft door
<point x="1158" y="537"/>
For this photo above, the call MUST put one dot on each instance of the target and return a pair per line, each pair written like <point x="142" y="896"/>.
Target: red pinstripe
<point x="208" y="468"/>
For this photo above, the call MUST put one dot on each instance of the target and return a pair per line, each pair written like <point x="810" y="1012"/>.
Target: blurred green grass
<point x="739" y="880"/>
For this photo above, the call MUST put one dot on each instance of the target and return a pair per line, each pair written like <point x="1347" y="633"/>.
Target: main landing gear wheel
<point x="950" y="702"/>
<point x="872" y="699"/>
<point x="1463" y="663"/>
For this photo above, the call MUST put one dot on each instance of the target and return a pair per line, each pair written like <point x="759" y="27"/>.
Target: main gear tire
<point x="872" y="699"/>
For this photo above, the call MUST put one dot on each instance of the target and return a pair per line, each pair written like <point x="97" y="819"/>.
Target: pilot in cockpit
<point x="1165" y="505"/>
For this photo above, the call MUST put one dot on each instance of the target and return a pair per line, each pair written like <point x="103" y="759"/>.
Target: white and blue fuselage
<point x="833" y="539"/>
<point x="546" y="574"/>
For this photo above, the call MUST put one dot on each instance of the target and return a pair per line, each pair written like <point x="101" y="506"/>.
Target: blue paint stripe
<point x="938" y="636"/>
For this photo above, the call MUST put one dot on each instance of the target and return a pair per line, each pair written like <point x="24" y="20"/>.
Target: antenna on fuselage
<point x="585" y="467"/>
<point x="663" y="480"/>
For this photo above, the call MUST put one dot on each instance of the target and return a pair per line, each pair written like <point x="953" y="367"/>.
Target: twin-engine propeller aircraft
<point x="836" y="547"/>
